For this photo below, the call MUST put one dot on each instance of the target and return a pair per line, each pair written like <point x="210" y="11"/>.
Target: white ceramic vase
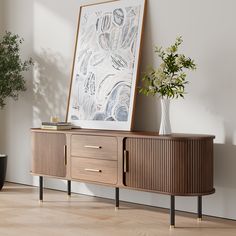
<point x="165" y="127"/>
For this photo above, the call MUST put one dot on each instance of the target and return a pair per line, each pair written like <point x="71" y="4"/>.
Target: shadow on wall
<point x="147" y="109"/>
<point x="224" y="177"/>
<point x="50" y="86"/>
<point x="46" y="103"/>
<point x="50" y="89"/>
<point x="225" y="162"/>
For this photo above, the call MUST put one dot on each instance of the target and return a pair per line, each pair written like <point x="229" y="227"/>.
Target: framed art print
<point x="105" y="66"/>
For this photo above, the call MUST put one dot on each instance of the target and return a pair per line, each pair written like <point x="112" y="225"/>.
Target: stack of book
<point x="56" y="125"/>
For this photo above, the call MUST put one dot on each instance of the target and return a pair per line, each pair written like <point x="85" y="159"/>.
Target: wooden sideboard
<point x="176" y="165"/>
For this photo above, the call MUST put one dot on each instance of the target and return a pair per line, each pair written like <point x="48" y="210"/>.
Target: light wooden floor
<point x="22" y="215"/>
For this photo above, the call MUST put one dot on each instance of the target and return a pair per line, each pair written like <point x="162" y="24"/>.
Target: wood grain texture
<point x="83" y="215"/>
<point x="139" y="134"/>
<point x="48" y="154"/>
<point x="177" y="164"/>
<point x="176" y="167"/>
<point x="94" y="146"/>
<point x="96" y="170"/>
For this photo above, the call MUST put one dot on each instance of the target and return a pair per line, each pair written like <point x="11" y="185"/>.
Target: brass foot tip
<point x="40" y="201"/>
<point x="199" y="219"/>
<point x="172" y="226"/>
<point x="116" y="208"/>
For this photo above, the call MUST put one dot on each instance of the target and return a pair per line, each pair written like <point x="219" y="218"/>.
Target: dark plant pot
<point x="3" y="169"/>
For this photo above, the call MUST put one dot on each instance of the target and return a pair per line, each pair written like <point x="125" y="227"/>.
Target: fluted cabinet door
<point x="171" y="166"/>
<point x="48" y="156"/>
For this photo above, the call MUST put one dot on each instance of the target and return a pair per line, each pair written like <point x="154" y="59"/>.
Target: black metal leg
<point x="69" y="187"/>
<point x="199" y="208"/>
<point x="172" y="211"/>
<point x="117" y="198"/>
<point x="41" y="188"/>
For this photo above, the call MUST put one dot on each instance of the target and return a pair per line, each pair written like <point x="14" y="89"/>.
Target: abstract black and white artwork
<point x="105" y="67"/>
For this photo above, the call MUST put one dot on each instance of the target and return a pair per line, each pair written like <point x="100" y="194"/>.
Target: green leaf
<point x="11" y="67"/>
<point x="169" y="79"/>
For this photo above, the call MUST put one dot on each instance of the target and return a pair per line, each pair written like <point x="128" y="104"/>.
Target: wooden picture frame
<point x="106" y="64"/>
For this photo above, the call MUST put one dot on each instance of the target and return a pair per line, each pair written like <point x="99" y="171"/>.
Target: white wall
<point x="207" y="27"/>
<point x="1" y="16"/>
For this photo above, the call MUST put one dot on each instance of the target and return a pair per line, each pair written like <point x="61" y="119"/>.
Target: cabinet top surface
<point x="126" y="133"/>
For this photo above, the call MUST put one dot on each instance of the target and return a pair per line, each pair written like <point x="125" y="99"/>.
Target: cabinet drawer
<point x="94" y="147"/>
<point x="102" y="171"/>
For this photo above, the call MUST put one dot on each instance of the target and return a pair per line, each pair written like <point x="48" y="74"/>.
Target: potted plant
<point x="11" y="78"/>
<point x="168" y="80"/>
